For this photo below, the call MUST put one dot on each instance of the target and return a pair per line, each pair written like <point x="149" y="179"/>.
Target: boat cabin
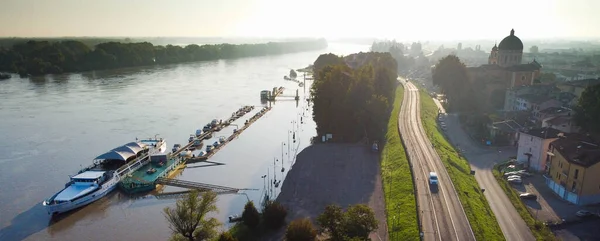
<point x="89" y="177"/>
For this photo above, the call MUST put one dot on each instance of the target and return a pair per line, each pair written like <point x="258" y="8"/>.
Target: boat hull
<point x="63" y="207"/>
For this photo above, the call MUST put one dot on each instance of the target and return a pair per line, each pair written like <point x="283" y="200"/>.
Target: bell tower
<point x="493" y="59"/>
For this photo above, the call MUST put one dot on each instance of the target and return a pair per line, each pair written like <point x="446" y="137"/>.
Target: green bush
<point x="226" y="236"/>
<point x="274" y="215"/>
<point x="301" y="230"/>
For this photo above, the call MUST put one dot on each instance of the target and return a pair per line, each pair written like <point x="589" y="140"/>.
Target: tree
<point x="352" y="103"/>
<point x="300" y="230"/>
<point x="450" y="74"/>
<point x="359" y="221"/>
<point x="274" y="215"/>
<point x="250" y="216"/>
<point x="226" y="236"/>
<point x="188" y="219"/>
<point x="356" y="223"/>
<point x="331" y="222"/>
<point x="587" y="110"/>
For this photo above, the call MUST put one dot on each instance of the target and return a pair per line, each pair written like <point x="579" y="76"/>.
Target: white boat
<point x="99" y="179"/>
<point x="81" y="190"/>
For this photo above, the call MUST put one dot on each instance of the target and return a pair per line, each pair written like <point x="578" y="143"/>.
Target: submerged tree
<point x="188" y="220"/>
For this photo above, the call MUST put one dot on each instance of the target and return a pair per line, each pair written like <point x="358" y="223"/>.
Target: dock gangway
<point x="197" y="185"/>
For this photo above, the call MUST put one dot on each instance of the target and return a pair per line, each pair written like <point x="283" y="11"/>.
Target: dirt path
<point x="343" y="174"/>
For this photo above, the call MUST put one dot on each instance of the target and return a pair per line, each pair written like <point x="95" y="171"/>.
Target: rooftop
<point x="89" y="175"/>
<point x="578" y="149"/>
<point x="555" y="110"/>
<point x="559" y="120"/>
<point x="524" y="67"/>
<point x="533" y="98"/>
<point x="507" y="126"/>
<point x="511" y="42"/>
<point x="583" y="83"/>
<point x="544" y="133"/>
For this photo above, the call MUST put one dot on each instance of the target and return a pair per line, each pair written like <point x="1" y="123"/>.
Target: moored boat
<point x="99" y="179"/>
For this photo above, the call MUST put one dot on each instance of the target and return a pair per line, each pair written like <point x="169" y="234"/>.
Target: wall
<point x="537" y="147"/>
<point x="509" y="57"/>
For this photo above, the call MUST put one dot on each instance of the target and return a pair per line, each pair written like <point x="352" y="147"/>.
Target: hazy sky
<point x="401" y="19"/>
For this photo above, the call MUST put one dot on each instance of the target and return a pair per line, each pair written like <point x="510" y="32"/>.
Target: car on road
<point x="433" y="178"/>
<point x="527" y="195"/>
<point x="583" y="213"/>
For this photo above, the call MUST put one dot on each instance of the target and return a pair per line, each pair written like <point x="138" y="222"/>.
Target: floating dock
<point x="145" y="177"/>
<point x="235" y="134"/>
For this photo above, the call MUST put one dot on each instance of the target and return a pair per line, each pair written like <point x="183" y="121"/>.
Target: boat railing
<point x="134" y="165"/>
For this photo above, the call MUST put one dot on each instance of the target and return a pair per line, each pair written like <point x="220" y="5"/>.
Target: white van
<point x="433" y="178"/>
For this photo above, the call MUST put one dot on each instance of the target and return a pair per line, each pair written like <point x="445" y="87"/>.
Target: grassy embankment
<point x="397" y="181"/>
<point x="480" y="215"/>
<point x="539" y="230"/>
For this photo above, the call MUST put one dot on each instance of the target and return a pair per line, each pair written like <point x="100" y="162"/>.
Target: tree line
<point x="398" y="50"/>
<point x="189" y="220"/>
<point x="45" y="57"/>
<point x="352" y="95"/>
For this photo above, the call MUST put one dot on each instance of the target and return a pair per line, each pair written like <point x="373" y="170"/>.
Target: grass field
<point x="480" y="215"/>
<point x="401" y="208"/>
<point x="539" y="230"/>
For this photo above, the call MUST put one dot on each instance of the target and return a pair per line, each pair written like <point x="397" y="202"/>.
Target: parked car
<point x="515" y="181"/>
<point x="527" y="195"/>
<point x="514" y="177"/>
<point x="583" y="213"/>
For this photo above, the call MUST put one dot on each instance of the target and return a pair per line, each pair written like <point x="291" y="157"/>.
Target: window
<point x="529" y="149"/>
<point x="531" y="140"/>
<point x="573" y="186"/>
<point x="576" y="173"/>
<point x="558" y="176"/>
<point x="522" y="77"/>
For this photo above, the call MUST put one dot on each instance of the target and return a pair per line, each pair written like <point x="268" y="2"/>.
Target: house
<point x="510" y="99"/>
<point x="505" y="132"/>
<point x="533" y="145"/>
<point x="577" y="87"/>
<point x="551" y="112"/>
<point x="574" y="169"/>
<point x="563" y="123"/>
<point x="535" y="102"/>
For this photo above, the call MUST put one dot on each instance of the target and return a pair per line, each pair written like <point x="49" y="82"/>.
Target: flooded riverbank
<point x="54" y="125"/>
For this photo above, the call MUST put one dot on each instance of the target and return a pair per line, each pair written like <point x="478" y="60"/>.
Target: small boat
<point x="214" y="122"/>
<point x="201" y="154"/>
<point x="235" y="218"/>
<point x="207" y="128"/>
<point x="217" y="143"/>
<point x="209" y="148"/>
<point x="199" y="132"/>
<point x="185" y="153"/>
<point x="176" y="147"/>
<point x="151" y="171"/>
<point x="222" y="139"/>
<point x="192" y="137"/>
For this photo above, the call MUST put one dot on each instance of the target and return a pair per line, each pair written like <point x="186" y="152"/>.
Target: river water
<point x="52" y="126"/>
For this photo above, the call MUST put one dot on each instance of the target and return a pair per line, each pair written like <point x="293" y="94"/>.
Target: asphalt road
<point x="482" y="160"/>
<point x="440" y="211"/>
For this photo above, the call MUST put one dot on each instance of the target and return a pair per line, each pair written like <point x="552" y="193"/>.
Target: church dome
<point x="511" y="42"/>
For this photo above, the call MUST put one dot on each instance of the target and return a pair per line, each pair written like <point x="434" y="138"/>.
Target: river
<point x="53" y="125"/>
